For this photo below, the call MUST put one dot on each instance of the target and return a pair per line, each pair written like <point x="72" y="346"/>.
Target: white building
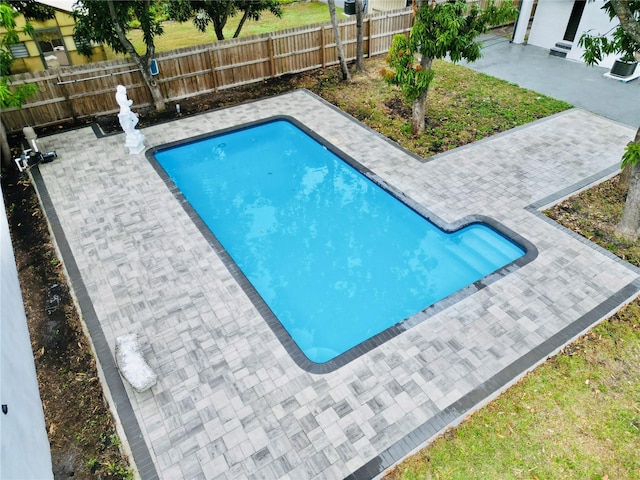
<point x="24" y="446"/>
<point x="558" y="24"/>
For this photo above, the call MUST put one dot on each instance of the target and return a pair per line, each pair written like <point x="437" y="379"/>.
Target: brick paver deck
<point x="230" y="402"/>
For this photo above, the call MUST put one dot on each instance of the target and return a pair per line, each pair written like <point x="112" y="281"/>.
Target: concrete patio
<point x="582" y="86"/>
<point x="230" y="402"/>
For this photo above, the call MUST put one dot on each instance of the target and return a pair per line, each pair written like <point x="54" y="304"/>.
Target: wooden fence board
<point x="88" y="90"/>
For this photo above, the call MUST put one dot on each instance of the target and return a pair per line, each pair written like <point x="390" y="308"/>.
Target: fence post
<point x="68" y="103"/>
<point x="213" y="69"/>
<point x="272" y="65"/>
<point x="368" y="36"/>
<point x="323" y="60"/>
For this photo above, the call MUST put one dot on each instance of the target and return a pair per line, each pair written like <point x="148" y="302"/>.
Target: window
<point x="51" y="45"/>
<point x="19" y="50"/>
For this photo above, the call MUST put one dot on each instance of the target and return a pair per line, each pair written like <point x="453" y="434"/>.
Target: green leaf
<point x="440" y="30"/>
<point x="631" y="155"/>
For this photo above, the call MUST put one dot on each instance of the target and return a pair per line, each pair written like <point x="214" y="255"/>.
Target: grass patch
<point x="463" y="106"/>
<point x="179" y="35"/>
<point x="294" y="15"/>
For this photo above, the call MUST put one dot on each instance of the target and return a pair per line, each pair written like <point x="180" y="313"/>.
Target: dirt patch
<point x="398" y="107"/>
<point x="594" y="214"/>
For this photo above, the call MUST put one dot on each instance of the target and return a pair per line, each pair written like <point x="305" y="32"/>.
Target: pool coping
<point x="530" y="251"/>
<point x="417" y="438"/>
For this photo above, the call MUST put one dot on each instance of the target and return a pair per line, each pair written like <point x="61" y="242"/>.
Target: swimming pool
<point x="335" y="257"/>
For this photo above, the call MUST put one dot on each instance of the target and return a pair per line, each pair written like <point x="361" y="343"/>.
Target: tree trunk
<point x="336" y="34"/>
<point x="219" y="32"/>
<point x="241" y="24"/>
<point x="4" y="143"/>
<point x="417" y="114"/>
<point x="154" y="88"/>
<point x="142" y="62"/>
<point x="420" y="104"/>
<point x="219" y="11"/>
<point x="628" y="21"/>
<point x="629" y="226"/>
<point x="359" y="39"/>
<point x="625" y="176"/>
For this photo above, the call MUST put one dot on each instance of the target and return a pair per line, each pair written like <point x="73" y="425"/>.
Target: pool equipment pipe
<point x="32" y="155"/>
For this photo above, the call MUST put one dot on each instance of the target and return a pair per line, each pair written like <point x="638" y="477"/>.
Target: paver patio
<point x="230" y="402"/>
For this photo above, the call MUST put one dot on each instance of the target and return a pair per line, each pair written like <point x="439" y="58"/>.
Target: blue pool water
<point x="337" y="258"/>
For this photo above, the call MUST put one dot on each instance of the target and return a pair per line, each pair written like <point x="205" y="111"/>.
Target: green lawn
<point x="178" y="35"/>
<point x="575" y="417"/>
<point x="463" y="106"/>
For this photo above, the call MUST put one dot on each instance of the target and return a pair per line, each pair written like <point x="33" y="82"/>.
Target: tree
<point x="33" y="10"/>
<point x="624" y="40"/>
<point x="440" y="30"/>
<point x="629" y="225"/>
<point x="217" y="12"/>
<point x="10" y="96"/>
<point x="336" y="35"/>
<point x="108" y="21"/>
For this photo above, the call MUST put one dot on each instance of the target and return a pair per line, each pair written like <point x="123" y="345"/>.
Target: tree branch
<point x="629" y="24"/>
<point x="120" y="32"/>
<point x="241" y="24"/>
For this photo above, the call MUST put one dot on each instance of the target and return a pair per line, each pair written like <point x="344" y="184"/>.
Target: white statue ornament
<point x="128" y="121"/>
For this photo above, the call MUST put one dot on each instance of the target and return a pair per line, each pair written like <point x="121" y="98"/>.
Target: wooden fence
<point x="70" y="93"/>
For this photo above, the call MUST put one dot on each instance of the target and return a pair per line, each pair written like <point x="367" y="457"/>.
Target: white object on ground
<point x="134" y="139"/>
<point x="132" y="365"/>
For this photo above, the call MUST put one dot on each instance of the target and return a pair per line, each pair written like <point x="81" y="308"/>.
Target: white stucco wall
<point x="596" y="20"/>
<point x="551" y="19"/>
<point x="549" y="22"/>
<point x="24" y="446"/>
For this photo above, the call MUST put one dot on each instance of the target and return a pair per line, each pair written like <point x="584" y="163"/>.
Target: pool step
<point x="480" y="253"/>
<point x="470" y="259"/>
